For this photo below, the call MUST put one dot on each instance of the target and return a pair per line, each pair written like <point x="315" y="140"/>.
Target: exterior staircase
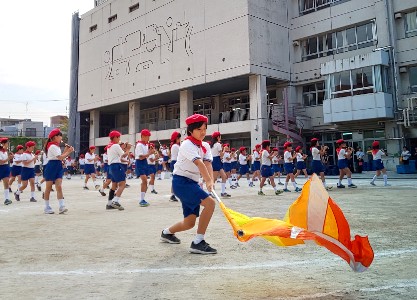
<point x="286" y="124"/>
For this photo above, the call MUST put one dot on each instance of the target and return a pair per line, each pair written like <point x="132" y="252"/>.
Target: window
<point x="134" y="7"/>
<point x="309" y="6"/>
<point x="411" y="24"/>
<point x="149" y="116"/>
<point x="92" y="28"/>
<point x="349" y="39"/>
<point x="362" y="81"/>
<point x="313" y="94"/>
<point x="112" y="18"/>
<point x="412" y="73"/>
<point x="203" y="107"/>
<point x="30" y="132"/>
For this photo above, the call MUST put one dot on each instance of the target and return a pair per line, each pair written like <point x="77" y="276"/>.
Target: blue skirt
<point x="217" y="164"/>
<point x="4" y="171"/>
<point x="53" y="170"/>
<point x="28" y="173"/>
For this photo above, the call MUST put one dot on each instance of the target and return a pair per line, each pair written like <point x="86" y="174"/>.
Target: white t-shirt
<point x="265" y="160"/>
<point x="44" y="159"/>
<point x="217" y="148"/>
<point x="233" y="156"/>
<point x="28" y="156"/>
<point x="98" y="163"/>
<point x="82" y="161"/>
<point x="114" y="153"/>
<point x="377" y="155"/>
<point x="300" y="157"/>
<point x="405" y="154"/>
<point x="152" y="156"/>
<point x="187" y="154"/>
<point x="4" y="156"/>
<point x="316" y="153"/>
<point x="242" y="159"/>
<point x="141" y="149"/>
<point x="105" y="158"/>
<point x="275" y="160"/>
<point x="165" y="152"/>
<point x="341" y="154"/>
<point x="17" y="160"/>
<point x="38" y="161"/>
<point x="89" y="158"/>
<point x="160" y="160"/>
<point x="226" y="158"/>
<point x="68" y="162"/>
<point x="53" y="152"/>
<point x="287" y="157"/>
<point x="174" y="151"/>
<point x="255" y="156"/>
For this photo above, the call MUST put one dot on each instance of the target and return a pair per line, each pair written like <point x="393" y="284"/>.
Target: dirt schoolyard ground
<point x="91" y="253"/>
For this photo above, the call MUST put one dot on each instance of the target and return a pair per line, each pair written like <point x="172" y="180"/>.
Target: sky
<point x="35" y="53"/>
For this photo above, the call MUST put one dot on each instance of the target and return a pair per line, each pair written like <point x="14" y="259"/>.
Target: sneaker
<point x="280" y="183"/>
<point x="260" y="193"/>
<point x="278" y="192"/>
<point x="102" y="192"/>
<point x="117" y="205"/>
<point x="225" y="195"/>
<point x="170" y="238"/>
<point x="232" y="187"/>
<point x="159" y="179"/>
<point x="173" y="199"/>
<point x="328" y="188"/>
<point x="143" y="203"/>
<point x="39" y="187"/>
<point x="109" y="207"/>
<point x="387" y="184"/>
<point x="33" y="200"/>
<point x="352" y="186"/>
<point x="127" y="185"/>
<point x="16" y="197"/>
<point x="85" y="188"/>
<point x="251" y="184"/>
<point x="97" y="186"/>
<point x="202" y="248"/>
<point x="297" y="189"/>
<point x="340" y="186"/>
<point x="62" y="210"/>
<point x="286" y="190"/>
<point x="7" y="202"/>
<point x="49" y="211"/>
<point x="154" y="192"/>
<point x="372" y="183"/>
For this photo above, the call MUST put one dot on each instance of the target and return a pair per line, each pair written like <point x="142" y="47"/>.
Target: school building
<point x="278" y="69"/>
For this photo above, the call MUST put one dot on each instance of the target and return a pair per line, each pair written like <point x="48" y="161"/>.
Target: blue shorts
<point x="28" y="173"/>
<point x="317" y="167"/>
<point x="106" y="168"/>
<point x="217" y="163"/>
<point x="378" y="164"/>
<point x="37" y="169"/>
<point x="159" y="167"/>
<point x="166" y="158"/>
<point x="227" y="167"/>
<point x="190" y="194"/>
<point x="151" y="169"/>
<point x="53" y="170"/>
<point x="244" y="169"/>
<point x="301" y="165"/>
<point x="234" y="165"/>
<point x="342" y="163"/>
<point x="171" y="165"/>
<point x="82" y="167"/>
<point x="4" y="171"/>
<point x="266" y="171"/>
<point x="89" y="169"/>
<point x="256" y="166"/>
<point x="276" y="168"/>
<point x="289" y="168"/>
<point x="141" y="167"/>
<point x="117" y="172"/>
<point x="98" y="169"/>
<point x="16" y="171"/>
<point x="70" y="169"/>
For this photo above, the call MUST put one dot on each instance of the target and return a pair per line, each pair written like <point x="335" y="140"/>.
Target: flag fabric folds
<point x="313" y="216"/>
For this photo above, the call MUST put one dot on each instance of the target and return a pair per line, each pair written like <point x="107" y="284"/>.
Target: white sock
<point x="109" y="202"/>
<point x="229" y="180"/>
<point x="61" y="202"/>
<point x="151" y="187"/>
<point x="18" y="192"/>
<point x="198" y="238"/>
<point x="19" y="185"/>
<point x="294" y="184"/>
<point x="6" y="194"/>
<point x="340" y="182"/>
<point x="349" y="180"/>
<point x="32" y="194"/>
<point x="385" y="178"/>
<point x="166" y="231"/>
<point x="46" y="203"/>
<point x="223" y="187"/>
<point x="36" y="179"/>
<point x="94" y="183"/>
<point x="285" y="185"/>
<point x="142" y="195"/>
<point x="251" y="180"/>
<point x="324" y="183"/>
<point x="275" y="188"/>
<point x="116" y="199"/>
<point x="374" y="178"/>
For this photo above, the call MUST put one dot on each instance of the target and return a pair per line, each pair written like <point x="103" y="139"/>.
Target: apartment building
<point x="283" y="69"/>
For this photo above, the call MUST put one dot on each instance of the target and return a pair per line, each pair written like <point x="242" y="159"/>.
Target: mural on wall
<point x="149" y="47"/>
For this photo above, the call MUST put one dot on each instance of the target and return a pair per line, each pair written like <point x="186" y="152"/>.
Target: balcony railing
<point x="161" y="125"/>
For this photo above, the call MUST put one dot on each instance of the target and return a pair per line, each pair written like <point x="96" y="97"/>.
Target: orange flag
<point x="313" y="216"/>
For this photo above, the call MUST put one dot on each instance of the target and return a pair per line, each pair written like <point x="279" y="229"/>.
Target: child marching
<point x="175" y="147"/>
<point x="343" y="154"/>
<point x="234" y="166"/>
<point x="5" y="157"/>
<point x="53" y="171"/>
<point x="244" y="168"/>
<point x="217" y="152"/>
<point x="378" y="164"/>
<point x="275" y="165"/>
<point x="152" y="159"/>
<point x="301" y="164"/>
<point x="227" y="164"/>
<point x="289" y="167"/>
<point x="89" y="168"/>
<point x="317" y="164"/>
<point x="28" y="171"/>
<point x="16" y="168"/>
<point x="142" y="152"/>
<point x="256" y="163"/>
<point x="194" y="159"/>
<point x="81" y="163"/>
<point x="266" y="169"/>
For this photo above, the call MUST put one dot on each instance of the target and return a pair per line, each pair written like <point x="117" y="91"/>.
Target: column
<point x="258" y="109"/>
<point x="186" y="106"/>
<point x="134" y="120"/>
<point x="216" y="110"/>
<point x="94" y="126"/>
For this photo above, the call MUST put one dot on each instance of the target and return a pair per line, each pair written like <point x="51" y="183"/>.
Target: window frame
<point x="316" y="92"/>
<point x="412" y="32"/>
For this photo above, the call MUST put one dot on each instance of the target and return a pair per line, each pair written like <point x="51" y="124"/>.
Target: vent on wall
<point x="398" y="16"/>
<point x="403" y="70"/>
<point x="296" y="43"/>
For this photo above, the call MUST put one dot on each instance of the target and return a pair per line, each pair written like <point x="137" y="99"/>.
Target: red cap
<point x="152" y="145"/>
<point x="226" y="145"/>
<point x="174" y="136"/>
<point x="258" y="145"/>
<point x="3" y="140"/>
<point x="375" y="144"/>
<point x="54" y="132"/>
<point x="241" y="149"/>
<point x="233" y="149"/>
<point x="314" y="139"/>
<point x="114" y="134"/>
<point x="196" y="118"/>
<point x="215" y="134"/>
<point x="341" y="141"/>
<point x="92" y="147"/>
<point x="81" y="155"/>
<point x="275" y="149"/>
<point x="37" y="152"/>
<point x="287" y="144"/>
<point x="145" y="132"/>
<point x="298" y="148"/>
<point x="19" y="147"/>
<point x="30" y="144"/>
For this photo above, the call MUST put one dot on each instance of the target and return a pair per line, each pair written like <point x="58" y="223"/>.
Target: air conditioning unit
<point x="296" y="43"/>
<point x="398" y="16"/>
<point x="403" y="70"/>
